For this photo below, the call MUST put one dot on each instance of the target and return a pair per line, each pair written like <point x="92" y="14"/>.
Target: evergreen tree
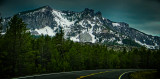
<point x="59" y="38"/>
<point x="18" y="42"/>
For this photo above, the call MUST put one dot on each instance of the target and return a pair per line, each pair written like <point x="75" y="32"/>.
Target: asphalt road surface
<point x="85" y="74"/>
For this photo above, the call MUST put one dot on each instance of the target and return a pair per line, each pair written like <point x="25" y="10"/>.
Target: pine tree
<point x="59" y="38"/>
<point x="18" y="42"/>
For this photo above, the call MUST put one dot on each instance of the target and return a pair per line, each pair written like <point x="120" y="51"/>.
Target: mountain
<point x="85" y="26"/>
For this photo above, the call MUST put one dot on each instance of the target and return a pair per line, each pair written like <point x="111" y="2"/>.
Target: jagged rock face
<point x="85" y="37"/>
<point x="148" y="41"/>
<point x="85" y="26"/>
<point x="40" y="18"/>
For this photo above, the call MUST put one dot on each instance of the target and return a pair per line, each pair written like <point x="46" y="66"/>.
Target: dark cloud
<point x="152" y="27"/>
<point x="155" y="0"/>
<point x="2" y="2"/>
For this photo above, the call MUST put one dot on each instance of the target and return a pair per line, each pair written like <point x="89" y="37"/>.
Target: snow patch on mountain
<point x="61" y="20"/>
<point x="82" y="23"/>
<point x="116" y="24"/>
<point x="143" y="44"/>
<point x="93" y="37"/>
<point x="92" y="24"/>
<point x="46" y="31"/>
<point x="119" y="42"/>
<point x="91" y="33"/>
<point x="3" y="33"/>
<point x="75" y="39"/>
<point x="112" y="39"/>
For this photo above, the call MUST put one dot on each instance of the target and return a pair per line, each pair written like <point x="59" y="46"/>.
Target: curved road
<point x="85" y="74"/>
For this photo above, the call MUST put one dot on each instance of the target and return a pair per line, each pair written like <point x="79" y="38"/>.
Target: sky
<point x="143" y="15"/>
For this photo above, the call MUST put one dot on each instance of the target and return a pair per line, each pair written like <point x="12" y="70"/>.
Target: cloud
<point x="152" y="27"/>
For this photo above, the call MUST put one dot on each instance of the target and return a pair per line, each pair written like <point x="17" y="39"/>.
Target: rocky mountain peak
<point x="99" y="14"/>
<point x="88" y="11"/>
<point x="85" y="26"/>
<point x="46" y="7"/>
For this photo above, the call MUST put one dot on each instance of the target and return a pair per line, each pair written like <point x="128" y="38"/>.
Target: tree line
<point x="24" y="54"/>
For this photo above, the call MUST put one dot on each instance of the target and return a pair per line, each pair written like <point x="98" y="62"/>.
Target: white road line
<point x="124" y="74"/>
<point x="133" y="71"/>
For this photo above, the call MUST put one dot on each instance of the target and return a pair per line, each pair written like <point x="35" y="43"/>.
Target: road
<point x="85" y="74"/>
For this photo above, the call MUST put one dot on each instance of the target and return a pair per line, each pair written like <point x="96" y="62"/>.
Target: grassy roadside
<point x="153" y="74"/>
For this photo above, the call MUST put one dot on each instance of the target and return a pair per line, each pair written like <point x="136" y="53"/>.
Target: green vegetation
<point x="23" y="54"/>
<point x="145" y="75"/>
<point x="130" y="42"/>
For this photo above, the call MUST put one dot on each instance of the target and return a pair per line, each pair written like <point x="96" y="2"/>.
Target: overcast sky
<point x="143" y="15"/>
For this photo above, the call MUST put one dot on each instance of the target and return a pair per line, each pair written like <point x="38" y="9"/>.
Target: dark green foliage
<point x="150" y="74"/>
<point x="15" y="43"/>
<point x="22" y="54"/>
<point x="130" y="42"/>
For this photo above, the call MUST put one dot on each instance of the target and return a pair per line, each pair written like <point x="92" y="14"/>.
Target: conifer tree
<point x="17" y="40"/>
<point x="59" y="38"/>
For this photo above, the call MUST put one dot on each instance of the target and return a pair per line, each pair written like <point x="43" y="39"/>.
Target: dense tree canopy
<point x="23" y="54"/>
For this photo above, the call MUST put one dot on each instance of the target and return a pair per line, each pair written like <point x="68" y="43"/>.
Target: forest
<point x="24" y="54"/>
